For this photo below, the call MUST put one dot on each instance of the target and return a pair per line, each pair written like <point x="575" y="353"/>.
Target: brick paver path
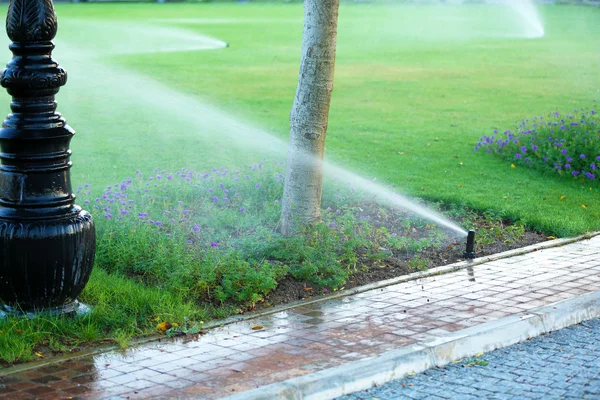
<point x="321" y="335"/>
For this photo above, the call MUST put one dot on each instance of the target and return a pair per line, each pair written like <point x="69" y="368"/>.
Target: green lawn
<point x="416" y="87"/>
<point x="424" y="80"/>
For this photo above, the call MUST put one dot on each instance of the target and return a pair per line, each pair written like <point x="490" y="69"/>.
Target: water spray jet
<point x="470" y="251"/>
<point x="197" y="113"/>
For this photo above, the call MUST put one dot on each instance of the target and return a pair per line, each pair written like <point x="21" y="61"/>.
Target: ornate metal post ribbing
<point x="47" y="243"/>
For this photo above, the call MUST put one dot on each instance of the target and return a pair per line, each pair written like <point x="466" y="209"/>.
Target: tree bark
<point x="301" y="203"/>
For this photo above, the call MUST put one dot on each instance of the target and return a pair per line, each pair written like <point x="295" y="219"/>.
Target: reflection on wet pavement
<point x="321" y="335"/>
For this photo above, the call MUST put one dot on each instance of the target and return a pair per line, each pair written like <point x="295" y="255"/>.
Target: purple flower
<point x="564" y="151"/>
<point x="211" y="190"/>
<point x="332" y="225"/>
<point x="567" y="166"/>
<point x="518" y="155"/>
<point x="158" y="223"/>
<point x="215" y="198"/>
<point x="107" y="216"/>
<point x="523" y="149"/>
<point x="196" y="228"/>
<point x="534" y="147"/>
<point x="257" y="186"/>
<point x="589" y="175"/>
<point x="582" y="156"/>
<point x="225" y="199"/>
<point x="593" y="166"/>
<point x="143" y="215"/>
<point x="242" y="209"/>
<point x="214" y="244"/>
<point x="569" y="159"/>
<point x="574" y="173"/>
<point x="362" y="217"/>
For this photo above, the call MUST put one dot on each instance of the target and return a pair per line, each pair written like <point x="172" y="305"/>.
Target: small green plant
<point x="186" y="328"/>
<point x="475" y="362"/>
<point x="418" y="264"/>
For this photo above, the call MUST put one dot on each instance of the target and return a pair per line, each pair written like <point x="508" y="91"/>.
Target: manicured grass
<point x="416" y="87"/>
<point x="425" y="81"/>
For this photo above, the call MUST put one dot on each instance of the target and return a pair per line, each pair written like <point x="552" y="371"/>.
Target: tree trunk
<point x="301" y="203"/>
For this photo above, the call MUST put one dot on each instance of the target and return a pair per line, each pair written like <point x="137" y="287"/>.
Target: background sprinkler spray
<point x="470" y="251"/>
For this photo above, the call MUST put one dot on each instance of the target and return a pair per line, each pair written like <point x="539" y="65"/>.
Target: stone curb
<point x="397" y="364"/>
<point x="317" y="299"/>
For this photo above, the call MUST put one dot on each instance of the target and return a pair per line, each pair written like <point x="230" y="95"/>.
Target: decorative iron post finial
<point x="31" y="21"/>
<point x="47" y="243"/>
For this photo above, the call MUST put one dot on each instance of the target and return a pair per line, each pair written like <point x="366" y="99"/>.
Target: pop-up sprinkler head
<point x="470" y="252"/>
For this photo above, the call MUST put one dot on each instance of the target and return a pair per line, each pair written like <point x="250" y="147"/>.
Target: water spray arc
<point x="234" y="131"/>
<point x="47" y="243"/>
<point x="528" y="14"/>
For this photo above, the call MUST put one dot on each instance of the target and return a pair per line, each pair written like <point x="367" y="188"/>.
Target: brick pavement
<point x="560" y="365"/>
<point x="317" y="336"/>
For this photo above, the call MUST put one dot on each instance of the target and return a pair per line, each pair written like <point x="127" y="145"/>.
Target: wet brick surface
<point x="561" y="365"/>
<point x="321" y="335"/>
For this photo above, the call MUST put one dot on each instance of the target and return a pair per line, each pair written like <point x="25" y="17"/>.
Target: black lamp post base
<point x="47" y="243"/>
<point x="72" y="309"/>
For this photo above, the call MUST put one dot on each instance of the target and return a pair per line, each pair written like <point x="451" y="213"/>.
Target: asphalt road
<point x="560" y="365"/>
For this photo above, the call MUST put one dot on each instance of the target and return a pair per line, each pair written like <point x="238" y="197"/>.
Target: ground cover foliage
<point x="407" y="109"/>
